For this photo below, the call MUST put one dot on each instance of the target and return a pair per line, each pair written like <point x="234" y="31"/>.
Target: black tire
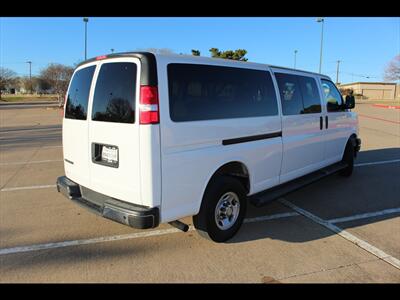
<point x="348" y="158"/>
<point x="205" y="222"/>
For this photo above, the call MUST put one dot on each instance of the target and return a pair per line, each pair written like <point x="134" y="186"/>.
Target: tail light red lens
<point x="149" y="106"/>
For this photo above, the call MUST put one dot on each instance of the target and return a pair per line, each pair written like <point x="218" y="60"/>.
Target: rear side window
<point x="78" y="94"/>
<point x="289" y="89"/>
<point x="204" y="92"/>
<point x="114" y="96"/>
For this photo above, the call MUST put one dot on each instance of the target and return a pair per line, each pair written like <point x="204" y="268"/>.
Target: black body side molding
<point x="246" y="139"/>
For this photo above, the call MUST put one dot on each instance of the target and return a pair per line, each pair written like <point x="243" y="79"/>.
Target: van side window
<point x="78" y="94"/>
<point x="333" y="98"/>
<point x="114" y="96"/>
<point x="206" y="92"/>
<point x="289" y="89"/>
<point x="310" y="93"/>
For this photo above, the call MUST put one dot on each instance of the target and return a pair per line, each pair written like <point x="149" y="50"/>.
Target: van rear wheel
<point x="222" y="210"/>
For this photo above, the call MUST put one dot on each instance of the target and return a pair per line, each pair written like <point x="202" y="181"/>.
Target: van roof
<point x="201" y="58"/>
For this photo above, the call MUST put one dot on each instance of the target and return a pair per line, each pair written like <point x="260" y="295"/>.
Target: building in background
<point x="373" y="90"/>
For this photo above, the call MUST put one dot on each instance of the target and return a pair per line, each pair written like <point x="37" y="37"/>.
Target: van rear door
<point x="75" y="125"/>
<point x="113" y="128"/>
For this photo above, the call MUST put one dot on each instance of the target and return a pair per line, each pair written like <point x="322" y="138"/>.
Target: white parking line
<point x="57" y="146"/>
<point x="377" y="163"/>
<point x="366" y="215"/>
<point x="270" y="217"/>
<point x="18" y="188"/>
<point x="135" y="235"/>
<point x="346" y="235"/>
<point x="30" y="162"/>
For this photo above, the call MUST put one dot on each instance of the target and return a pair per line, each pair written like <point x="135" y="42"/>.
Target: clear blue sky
<point x="364" y="45"/>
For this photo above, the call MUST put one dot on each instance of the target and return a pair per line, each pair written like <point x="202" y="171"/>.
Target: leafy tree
<point x="229" y="54"/>
<point x="7" y="78"/>
<point x="58" y="77"/>
<point x="195" y="52"/>
<point x="392" y="71"/>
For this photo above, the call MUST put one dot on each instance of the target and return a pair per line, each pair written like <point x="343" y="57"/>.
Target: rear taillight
<point x="149" y="109"/>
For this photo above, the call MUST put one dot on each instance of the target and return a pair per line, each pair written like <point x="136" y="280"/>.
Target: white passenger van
<point x="151" y="138"/>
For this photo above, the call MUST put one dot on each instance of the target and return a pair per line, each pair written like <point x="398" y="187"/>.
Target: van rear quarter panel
<point x="191" y="152"/>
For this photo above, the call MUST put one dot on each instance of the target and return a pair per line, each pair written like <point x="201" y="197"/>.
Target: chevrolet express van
<point x="152" y="138"/>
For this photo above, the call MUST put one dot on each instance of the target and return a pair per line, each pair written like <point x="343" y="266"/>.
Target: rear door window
<point x="114" y="96"/>
<point x="205" y="92"/>
<point x="290" y="91"/>
<point x="310" y="93"/>
<point x="78" y="94"/>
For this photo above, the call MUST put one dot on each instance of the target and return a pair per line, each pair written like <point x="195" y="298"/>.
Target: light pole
<point x="337" y="71"/>
<point x="30" y="75"/>
<point x="321" y="20"/>
<point x="295" y="53"/>
<point x="85" y="20"/>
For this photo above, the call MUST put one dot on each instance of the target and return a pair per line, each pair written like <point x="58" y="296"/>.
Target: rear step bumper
<point x="122" y="212"/>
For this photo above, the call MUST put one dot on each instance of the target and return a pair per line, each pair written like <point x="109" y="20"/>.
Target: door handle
<point x="321" y="123"/>
<point x="326" y="122"/>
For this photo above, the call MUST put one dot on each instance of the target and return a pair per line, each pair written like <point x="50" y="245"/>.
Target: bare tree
<point x="392" y="71"/>
<point x="7" y="78"/>
<point x="58" y="77"/>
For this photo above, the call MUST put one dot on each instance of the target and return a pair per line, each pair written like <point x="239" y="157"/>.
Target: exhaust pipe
<point x="178" y="224"/>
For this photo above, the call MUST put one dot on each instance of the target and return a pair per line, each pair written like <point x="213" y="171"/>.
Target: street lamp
<point x="30" y="75"/>
<point x="295" y="52"/>
<point x="321" y="20"/>
<point x="85" y="20"/>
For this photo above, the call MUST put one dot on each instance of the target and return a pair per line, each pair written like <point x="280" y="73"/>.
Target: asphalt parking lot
<point x="336" y="230"/>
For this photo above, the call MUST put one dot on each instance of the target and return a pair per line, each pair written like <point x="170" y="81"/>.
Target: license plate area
<point x="106" y="155"/>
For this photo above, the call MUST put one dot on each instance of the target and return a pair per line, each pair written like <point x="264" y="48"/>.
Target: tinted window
<point x="78" y="94"/>
<point x="289" y="89"/>
<point x="333" y="98"/>
<point x="114" y="96"/>
<point x="203" y="92"/>
<point x="310" y="93"/>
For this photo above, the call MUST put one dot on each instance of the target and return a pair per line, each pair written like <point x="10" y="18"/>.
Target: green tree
<point x="229" y="54"/>
<point x="195" y="52"/>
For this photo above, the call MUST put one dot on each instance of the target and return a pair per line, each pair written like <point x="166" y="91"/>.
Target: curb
<point x="387" y="106"/>
<point x="29" y="103"/>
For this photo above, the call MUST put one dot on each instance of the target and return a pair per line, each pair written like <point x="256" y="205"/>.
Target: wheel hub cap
<point x="227" y="210"/>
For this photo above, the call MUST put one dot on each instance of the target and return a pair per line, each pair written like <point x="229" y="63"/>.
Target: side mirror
<point x="350" y="103"/>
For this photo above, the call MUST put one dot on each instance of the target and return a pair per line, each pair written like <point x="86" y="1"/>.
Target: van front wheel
<point x="222" y="210"/>
<point x="348" y="158"/>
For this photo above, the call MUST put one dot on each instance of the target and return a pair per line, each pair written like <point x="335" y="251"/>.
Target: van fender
<point x="216" y="170"/>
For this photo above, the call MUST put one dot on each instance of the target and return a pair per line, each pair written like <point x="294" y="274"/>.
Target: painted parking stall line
<point x="346" y="235"/>
<point x="30" y="162"/>
<point x="19" y="188"/>
<point x="136" y="235"/>
<point x="377" y="163"/>
<point x="366" y="215"/>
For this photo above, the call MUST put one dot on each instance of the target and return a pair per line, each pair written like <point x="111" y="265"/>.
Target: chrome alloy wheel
<point x="227" y="210"/>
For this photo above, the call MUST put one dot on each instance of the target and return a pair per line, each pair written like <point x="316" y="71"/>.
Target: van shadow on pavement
<point x="370" y="189"/>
